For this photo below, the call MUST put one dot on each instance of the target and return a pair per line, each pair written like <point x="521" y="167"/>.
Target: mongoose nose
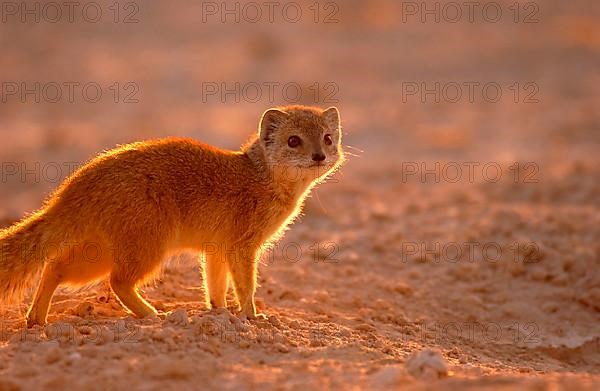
<point x="318" y="157"/>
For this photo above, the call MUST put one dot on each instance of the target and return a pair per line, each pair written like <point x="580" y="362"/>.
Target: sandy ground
<point x="399" y="274"/>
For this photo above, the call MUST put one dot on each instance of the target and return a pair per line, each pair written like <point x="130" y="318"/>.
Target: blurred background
<point x="415" y="81"/>
<point x="464" y="122"/>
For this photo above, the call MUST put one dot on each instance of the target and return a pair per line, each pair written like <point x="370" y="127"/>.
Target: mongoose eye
<point x="327" y="139"/>
<point x="294" y="141"/>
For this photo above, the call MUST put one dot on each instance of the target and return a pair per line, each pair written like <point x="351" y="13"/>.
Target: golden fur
<point x="121" y="214"/>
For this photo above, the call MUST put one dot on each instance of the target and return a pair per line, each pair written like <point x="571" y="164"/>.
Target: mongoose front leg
<point x="130" y="299"/>
<point x="217" y="272"/>
<point x="243" y="268"/>
<point x="43" y="295"/>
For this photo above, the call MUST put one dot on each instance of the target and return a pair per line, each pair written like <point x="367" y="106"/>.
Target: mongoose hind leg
<point x="70" y="263"/>
<point x="132" y="265"/>
<point x="38" y="311"/>
<point x="217" y="272"/>
<point x="128" y="296"/>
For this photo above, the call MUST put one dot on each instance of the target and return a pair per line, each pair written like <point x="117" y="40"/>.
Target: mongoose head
<point x="304" y="141"/>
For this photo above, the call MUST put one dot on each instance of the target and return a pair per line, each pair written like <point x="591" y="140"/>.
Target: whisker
<point x="357" y="149"/>
<point x="319" y="200"/>
<point x="339" y="171"/>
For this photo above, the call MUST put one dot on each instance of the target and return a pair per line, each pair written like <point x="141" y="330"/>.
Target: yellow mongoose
<point x="121" y="214"/>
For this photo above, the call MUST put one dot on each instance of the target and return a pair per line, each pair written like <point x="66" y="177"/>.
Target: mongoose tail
<point x="21" y="257"/>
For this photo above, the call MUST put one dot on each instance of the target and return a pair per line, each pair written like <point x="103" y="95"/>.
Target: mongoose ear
<point x="332" y="117"/>
<point x="269" y="123"/>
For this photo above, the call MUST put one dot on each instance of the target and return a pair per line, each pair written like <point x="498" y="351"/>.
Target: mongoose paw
<point x="32" y="322"/>
<point x="257" y="316"/>
<point x="155" y="316"/>
<point x="260" y="316"/>
<point x="161" y="315"/>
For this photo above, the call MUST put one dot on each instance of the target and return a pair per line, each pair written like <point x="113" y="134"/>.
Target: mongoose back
<point x="123" y="213"/>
